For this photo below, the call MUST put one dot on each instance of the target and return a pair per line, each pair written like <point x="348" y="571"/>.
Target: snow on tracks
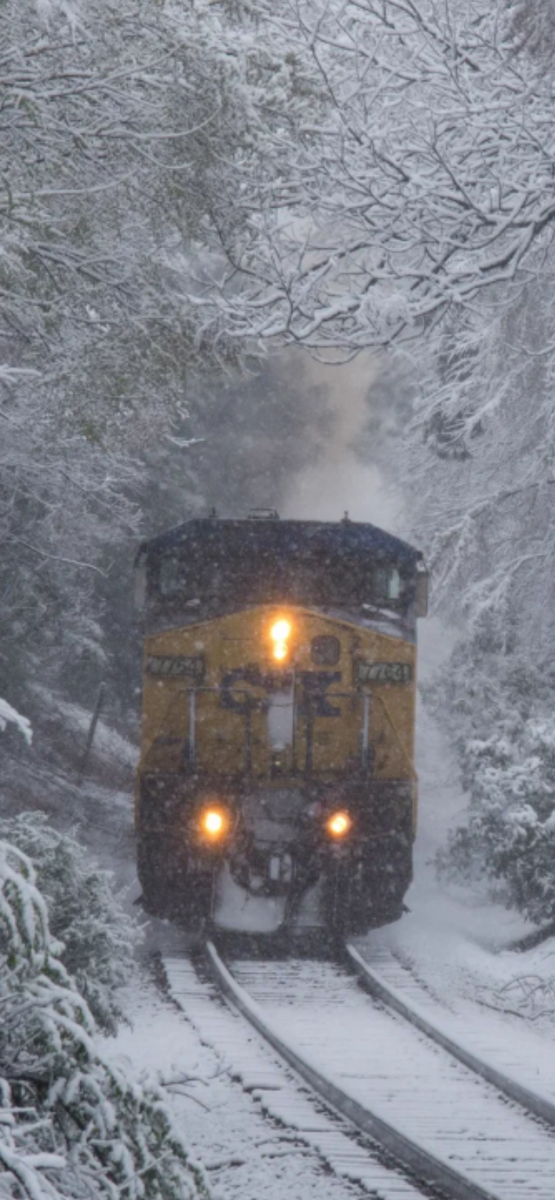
<point x="439" y="1118"/>
<point x="377" y="985"/>
<point x="278" y="1091"/>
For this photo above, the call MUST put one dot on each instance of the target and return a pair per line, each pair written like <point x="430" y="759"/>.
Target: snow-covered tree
<point x="482" y="505"/>
<point x="95" y="935"/>
<point x="411" y="205"/>
<point x="499" y="711"/>
<point x="424" y="177"/>
<point x="98" y="208"/>
<point x="109" y="111"/>
<point x="71" y="1123"/>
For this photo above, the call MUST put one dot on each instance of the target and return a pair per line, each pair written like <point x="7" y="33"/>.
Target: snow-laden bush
<point x="71" y="1124"/>
<point x="97" y="937"/>
<point x="501" y="713"/>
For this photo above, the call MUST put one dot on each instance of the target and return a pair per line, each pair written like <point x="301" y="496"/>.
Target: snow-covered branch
<point x="70" y="1122"/>
<point x="114" y="118"/>
<point x="423" y="175"/>
<point x="9" y="716"/>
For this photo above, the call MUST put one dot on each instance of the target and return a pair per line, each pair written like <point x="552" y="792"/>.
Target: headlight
<point x="339" y="824"/>
<point x="280" y="633"/>
<point x="214" y="823"/>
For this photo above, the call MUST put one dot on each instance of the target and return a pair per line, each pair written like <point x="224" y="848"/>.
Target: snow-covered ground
<point x="234" y="1117"/>
<point x="110" y="748"/>
<point x="246" y="1150"/>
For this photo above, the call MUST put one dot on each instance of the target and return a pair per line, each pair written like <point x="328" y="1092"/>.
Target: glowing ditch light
<point x="339" y="824"/>
<point x="279" y="634"/>
<point x="213" y="823"/>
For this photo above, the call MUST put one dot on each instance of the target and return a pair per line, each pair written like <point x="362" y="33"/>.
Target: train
<point x="276" y="788"/>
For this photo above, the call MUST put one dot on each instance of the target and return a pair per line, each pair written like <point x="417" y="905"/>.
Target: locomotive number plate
<point x="170" y="666"/>
<point x="382" y="672"/>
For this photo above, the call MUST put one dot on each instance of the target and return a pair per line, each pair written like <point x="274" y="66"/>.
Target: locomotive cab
<point x="276" y="787"/>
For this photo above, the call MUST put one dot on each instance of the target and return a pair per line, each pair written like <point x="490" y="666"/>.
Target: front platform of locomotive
<point x="276" y="786"/>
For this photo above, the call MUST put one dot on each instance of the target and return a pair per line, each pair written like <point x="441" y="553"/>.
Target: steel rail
<point x="540" y="1106"/>
<point x="425" y="1168"/>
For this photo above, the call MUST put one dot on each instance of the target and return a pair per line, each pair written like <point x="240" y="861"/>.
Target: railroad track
<point x="436" y="1119"/>
<point x="377" y="983"/>
<point x="277" y="1091"/>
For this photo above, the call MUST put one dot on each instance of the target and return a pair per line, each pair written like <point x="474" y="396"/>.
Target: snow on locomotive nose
<point x="276" y="785"/>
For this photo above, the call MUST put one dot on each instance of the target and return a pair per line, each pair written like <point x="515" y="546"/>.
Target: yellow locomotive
<point x="276" y="788"/>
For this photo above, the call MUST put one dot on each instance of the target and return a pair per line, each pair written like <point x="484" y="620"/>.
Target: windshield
<point x="312" y="578"/>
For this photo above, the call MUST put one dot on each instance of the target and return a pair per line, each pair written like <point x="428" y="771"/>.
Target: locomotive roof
<point x="272" y="535"/>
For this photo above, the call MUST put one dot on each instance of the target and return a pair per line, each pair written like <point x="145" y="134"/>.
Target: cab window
<point x="388" y="584"/>
<point x="171" y="576"/>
